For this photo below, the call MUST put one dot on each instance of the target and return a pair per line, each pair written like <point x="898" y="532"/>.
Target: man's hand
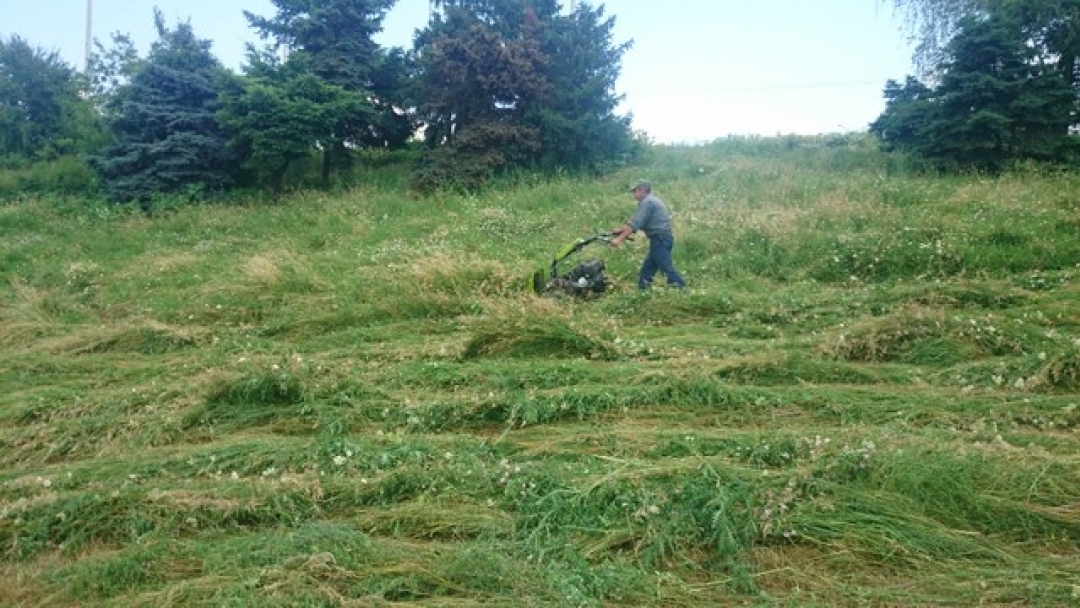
<point x="620" y="235"/>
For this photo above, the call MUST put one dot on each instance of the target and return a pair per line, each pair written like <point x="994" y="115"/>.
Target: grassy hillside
<point x="868" y="395"/>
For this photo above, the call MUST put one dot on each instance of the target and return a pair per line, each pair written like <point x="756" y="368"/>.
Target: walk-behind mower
<point x="586" y="280"/>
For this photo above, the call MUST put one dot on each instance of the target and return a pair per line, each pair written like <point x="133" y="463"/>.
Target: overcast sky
<point x="698" y="69"/>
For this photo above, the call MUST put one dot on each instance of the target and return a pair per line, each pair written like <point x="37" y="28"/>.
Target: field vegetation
<point x="867" y="395"/>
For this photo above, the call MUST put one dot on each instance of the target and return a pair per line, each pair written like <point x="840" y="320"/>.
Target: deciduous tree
<point x="42" y="114"/>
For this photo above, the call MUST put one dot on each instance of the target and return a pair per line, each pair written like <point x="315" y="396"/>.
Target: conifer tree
<point x="167" y="138"/>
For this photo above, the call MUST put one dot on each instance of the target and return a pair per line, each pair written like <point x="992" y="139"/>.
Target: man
<point x="652" y="217"/>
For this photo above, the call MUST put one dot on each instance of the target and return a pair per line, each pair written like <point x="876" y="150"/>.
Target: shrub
<point x="65" y="175"/>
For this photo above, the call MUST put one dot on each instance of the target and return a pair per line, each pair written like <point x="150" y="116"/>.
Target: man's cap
<point x="641" y="183"/>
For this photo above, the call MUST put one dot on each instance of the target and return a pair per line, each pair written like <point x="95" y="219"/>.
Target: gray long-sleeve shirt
<point x="651" y="216"/>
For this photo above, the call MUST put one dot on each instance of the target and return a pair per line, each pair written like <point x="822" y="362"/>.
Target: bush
<point x="65" y="175"/>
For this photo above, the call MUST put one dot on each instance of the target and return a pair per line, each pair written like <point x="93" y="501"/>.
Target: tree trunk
<point x="327" y="156"/>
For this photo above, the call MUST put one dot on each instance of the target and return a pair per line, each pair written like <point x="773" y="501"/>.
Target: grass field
<point x="868" y="396"/>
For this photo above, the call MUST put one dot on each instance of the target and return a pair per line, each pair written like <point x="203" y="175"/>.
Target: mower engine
<point x="586" y="280"/>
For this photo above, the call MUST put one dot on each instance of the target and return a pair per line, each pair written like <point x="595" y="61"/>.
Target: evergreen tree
<point x="481" y="75"/>
<point x="579" y="126"/>
<point x="997" y="102"/>
<point x="333" y="40"/>
<point x="166" y="136"/>
<point x="279" y="114"/>
<point x="1051" y="26"/>
<point x="516" y="84"/>
<point x="391" y="96"/>
<point x="908" y="110"/>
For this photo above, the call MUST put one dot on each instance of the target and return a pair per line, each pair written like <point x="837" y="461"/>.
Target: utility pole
<point x="89" y="33"/>
<point x="282" y="48"/>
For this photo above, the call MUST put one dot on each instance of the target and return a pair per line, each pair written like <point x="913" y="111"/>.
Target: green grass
<point x="867" y="396"/>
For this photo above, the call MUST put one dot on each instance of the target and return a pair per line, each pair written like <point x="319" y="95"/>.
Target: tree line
<point x="489" y="87"/>
<point x="1001" y="83"/>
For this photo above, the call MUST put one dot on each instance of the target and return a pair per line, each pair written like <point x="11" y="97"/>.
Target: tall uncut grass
<point x="867" y="395"/>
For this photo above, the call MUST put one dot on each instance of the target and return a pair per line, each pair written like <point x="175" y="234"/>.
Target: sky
<point x="698" y="70"/>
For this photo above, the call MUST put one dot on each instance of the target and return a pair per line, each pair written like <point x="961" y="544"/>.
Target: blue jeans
<point x="659" y="259"/>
